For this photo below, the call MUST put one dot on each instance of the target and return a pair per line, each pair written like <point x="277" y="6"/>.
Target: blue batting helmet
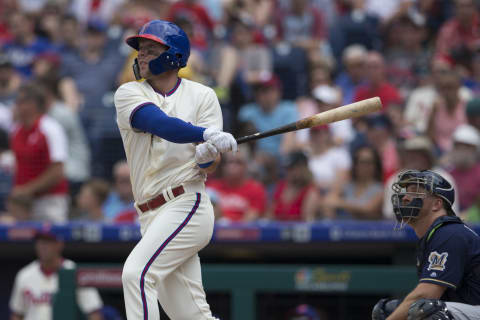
<point x="170" y="35"/>
<point x="432" y="183"/>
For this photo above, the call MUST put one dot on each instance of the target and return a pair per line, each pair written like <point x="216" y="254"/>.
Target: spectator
<point x="473" y="113"/>
<point x="328" y="163"/>
<point x="77" y="166"/>
<point x="361" y="197"/>
<point x="464" y="165"/>
<point x="295" y="198"/>
<point x="85" y="10"/>
<point x="356" y="27"/>
<point x="36" y="283"/>
<point x="93" y="70"/>
<point x="200" y="18"/>
<point x="6" y="168"/>
<point x="459" y="37"/>
<point x="240" y="197"/>
<point x="120" y="199"/>
<point x="25" y="45"/>
<point x="268" y="112"/>
<point x="419" y="106"/>
<point x="303" y="25"/>
<point x="377" y="84"/>
<point x="10" y="81"/>
<point x="17" y="210"/>
<point x="353" y="75"/>
<point x="416" y="153"/>
<point x="90" y="199"/>
<point x="305" y="312"/>
<point x="40" y="147"/>
<point x="407" y="58"/>
<point x="448" y="112"/>
<point x="381" y="136"/>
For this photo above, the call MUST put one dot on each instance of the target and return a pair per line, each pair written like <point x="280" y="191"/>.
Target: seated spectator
<point x="448" y="112"/>
<point x="240" y="197"/>
<point x="24" y="45"/>
<point x="90" y="199"/>
<point x="407" y="58"/>
<point x="381" y="136"/>
<point x="6" y="168"/>
<point x="17" y="210"/>
<point x="356" y="26"/>
<point x="464" y="165"/>
<point x="416" y="153"/>
<point x="459" y="37"/>
<point x="268" y="112"/>
<point x="120" y="200"/>
<point x="361" y="197"/>
<point x="295" y="198"/>
<point x="10" y="81"/>
<point x="40" y="147"/>
<point x="305" y="312"/>
<point x="377" y="84"/>
<point x="353" y="75"/>
<point x="328" y="163"/>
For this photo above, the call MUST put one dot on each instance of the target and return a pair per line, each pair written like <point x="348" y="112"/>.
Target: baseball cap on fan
<point x="467" y="134"/>
<point x="267" y="80"/>
<point x="46" y="233"/>
<point x="326" y="94"/>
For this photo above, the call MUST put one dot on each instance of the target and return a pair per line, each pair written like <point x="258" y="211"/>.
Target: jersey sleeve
<point x="446" y="257"/>
<point x="127" y="100"/>
<point x="209" y="112"/>
<point x="89" y="300"/>
<point x="56" y="140"/>
<point x="17" y="301"/>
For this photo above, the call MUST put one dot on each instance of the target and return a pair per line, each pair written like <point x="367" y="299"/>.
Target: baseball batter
<point x="171" y="131"/>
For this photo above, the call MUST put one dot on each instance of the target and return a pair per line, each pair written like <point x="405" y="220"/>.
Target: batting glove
<point x="223" y="141"/>
<point x="205" y="153"/>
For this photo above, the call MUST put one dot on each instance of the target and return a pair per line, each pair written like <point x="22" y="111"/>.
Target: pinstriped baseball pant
<point x="164" y="264"/>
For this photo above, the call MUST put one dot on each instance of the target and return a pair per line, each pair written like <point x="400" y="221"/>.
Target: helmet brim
<point x="133" y="42"/>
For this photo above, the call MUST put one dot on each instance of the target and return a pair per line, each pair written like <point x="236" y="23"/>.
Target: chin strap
<point x="136" y="70"/>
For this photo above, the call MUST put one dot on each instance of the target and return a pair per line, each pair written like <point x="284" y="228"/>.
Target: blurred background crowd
<point x="271" y="62"/>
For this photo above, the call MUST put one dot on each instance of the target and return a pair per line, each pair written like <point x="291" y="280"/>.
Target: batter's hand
<point x="223" y="141"/>
<point x="205" y="153"/>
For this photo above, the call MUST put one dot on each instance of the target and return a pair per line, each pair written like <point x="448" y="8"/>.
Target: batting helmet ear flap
<point x="136" y="69"/>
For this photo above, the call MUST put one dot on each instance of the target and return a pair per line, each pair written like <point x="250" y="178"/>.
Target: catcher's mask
<point x="424" y="183"/>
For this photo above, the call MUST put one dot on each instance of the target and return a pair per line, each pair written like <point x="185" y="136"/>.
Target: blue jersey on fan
<point x="22" y="56"/>
<point x="449" y="255"/>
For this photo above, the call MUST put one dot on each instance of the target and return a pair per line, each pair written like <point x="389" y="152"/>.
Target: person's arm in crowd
<point x="15" y="316"/>
<point x="309" y="206"/>
<point x="69" y="93"/>
<point x="43" y="182"/>
<point x="96" y="315"/>
<point x="422" y="291"/>
<point x="370" y="210"/>
<point x="250" y="215"/>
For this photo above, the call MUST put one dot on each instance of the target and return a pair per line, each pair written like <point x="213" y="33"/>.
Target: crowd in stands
<point x="270" y="62"/>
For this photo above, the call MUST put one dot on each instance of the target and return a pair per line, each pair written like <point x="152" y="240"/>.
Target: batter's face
<point x="147" y="51"/>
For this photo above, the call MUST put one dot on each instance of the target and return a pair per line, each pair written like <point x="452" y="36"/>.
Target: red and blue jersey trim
<point x="159" y="250"/>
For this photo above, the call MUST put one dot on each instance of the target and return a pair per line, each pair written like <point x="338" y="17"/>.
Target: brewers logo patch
<point x="437" y="261"/>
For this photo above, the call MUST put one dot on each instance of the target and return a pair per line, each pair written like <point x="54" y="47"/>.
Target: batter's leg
<point x="181" y="294"/>
<point x="179" y="230"/>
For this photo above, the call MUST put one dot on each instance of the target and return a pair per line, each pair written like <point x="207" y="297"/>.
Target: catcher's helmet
<point x="432" y="182"/>
<point x="168" y="34"/>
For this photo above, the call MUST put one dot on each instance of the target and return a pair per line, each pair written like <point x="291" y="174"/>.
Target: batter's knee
<point x="130" y="273"/>
<point x="429" y="309"/>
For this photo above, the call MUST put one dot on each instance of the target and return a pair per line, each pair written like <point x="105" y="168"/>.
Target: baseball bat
<point x="356" y="109"/>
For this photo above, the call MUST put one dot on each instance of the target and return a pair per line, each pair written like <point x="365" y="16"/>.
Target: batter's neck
<point x="164" y="82"/>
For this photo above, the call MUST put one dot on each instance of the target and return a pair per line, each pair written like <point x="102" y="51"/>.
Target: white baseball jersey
<point x="155" y="163"/>
<point x="33" y="291"/>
